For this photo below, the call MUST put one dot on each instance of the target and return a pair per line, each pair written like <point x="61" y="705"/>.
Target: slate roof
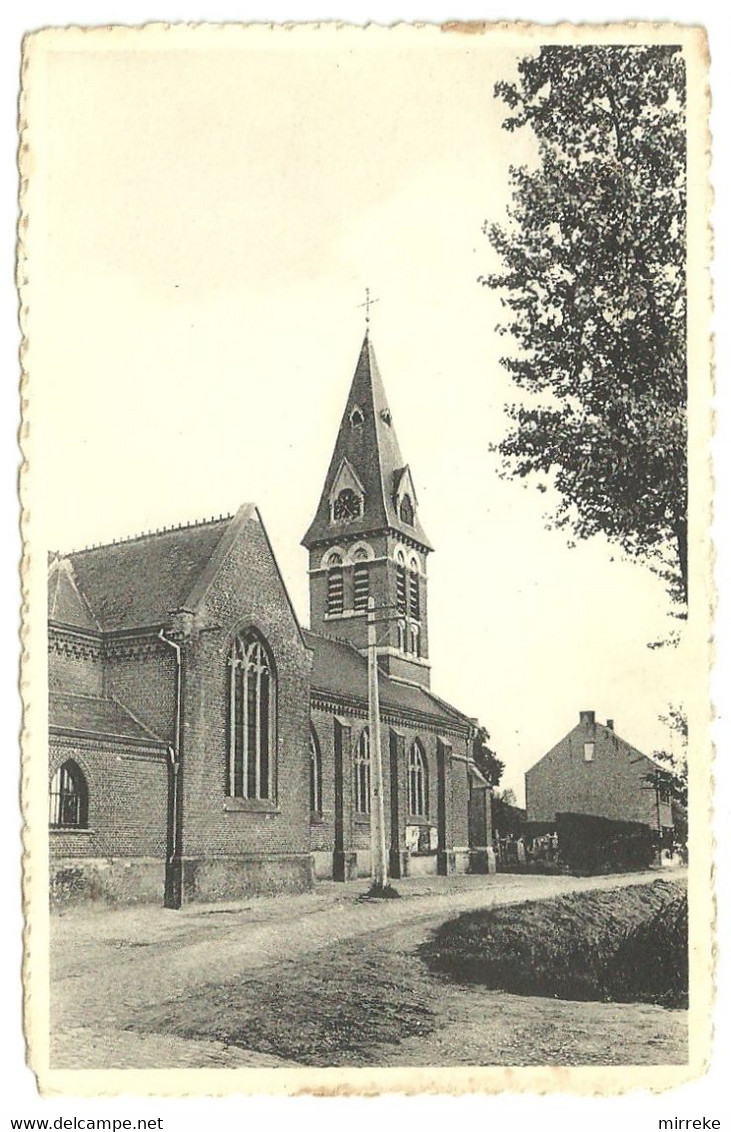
<point x="340" y="671"/>
<point x="139" y="582"/>
<point x="373" y="451"/>
<point x="96" y="716"/>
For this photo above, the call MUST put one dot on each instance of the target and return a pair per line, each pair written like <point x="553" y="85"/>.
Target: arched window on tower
<point x="68" y="799"/>
<point x="252" y="719"/>
<point x="362" y="775"/>
<point x="418" y="781"/>
<point x="414" y="635"/>
<point x="414" y="602"/>
<point x="315" y="774"/>
<point x="401" y="630"/>
<point x="401" y="593"/>
<point x="361" y="580"/>
<point x="406" y="511"/>
<point x="335" y="592"/>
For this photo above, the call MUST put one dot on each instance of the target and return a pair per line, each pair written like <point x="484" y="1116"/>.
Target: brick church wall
<point x="233" y="846"/>
<point x="120" y="856"/>
<point x="143" y="679"/>
<point x="74" y="670"/>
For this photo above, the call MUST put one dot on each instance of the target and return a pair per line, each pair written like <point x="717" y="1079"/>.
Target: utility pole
<point x="378" y="831"/>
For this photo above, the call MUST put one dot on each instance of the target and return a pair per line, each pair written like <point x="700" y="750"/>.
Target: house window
<point x="414" y="592"/>
<point x="418" y="784"/>
<point x="406" y="511"/>
<point x="68" y="798"/>
<point x="347" y="506"/>
<point x="362" y="775"/>
<point x="589" y="752"/>
<point x="401" y="595"/>
<point x="315" y="774"/>
<point x="361" y="585"/>
<point x="252" y="698"/>
<point x="414" y="634"/>
<point x="335" y="591"/>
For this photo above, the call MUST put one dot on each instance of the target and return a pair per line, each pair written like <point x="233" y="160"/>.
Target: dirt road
<point x="323" y="978"/>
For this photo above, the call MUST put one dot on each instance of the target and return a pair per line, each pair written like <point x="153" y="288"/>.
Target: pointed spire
<point x="366" y="458"/>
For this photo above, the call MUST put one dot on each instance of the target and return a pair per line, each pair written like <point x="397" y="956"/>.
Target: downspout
<point x="173" y="866"/>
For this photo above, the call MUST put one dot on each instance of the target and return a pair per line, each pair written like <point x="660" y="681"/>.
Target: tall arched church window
<point x="414" y="603"/>
<point x="347" y="506"/>
<point x="335" y="598"/>
<point x="401" y="593"/>
<point x="406" y="511"/>
<point x="418" y="781"/>
<point x="362" y="775"/>
<point x="252" y="719"/>
<point x="68" y="800"/>
<point x="315" y="774"/>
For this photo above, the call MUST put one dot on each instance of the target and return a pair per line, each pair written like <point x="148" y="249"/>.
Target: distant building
<point x="595" y="772"/>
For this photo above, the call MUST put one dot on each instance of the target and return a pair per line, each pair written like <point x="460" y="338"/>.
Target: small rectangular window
<point x="589" y="752"/>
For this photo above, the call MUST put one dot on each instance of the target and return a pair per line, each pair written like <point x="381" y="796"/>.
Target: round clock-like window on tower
<point x="347" y="506"/>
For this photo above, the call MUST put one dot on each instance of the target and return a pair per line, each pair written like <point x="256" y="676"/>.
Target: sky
<point x="211" y="219"/>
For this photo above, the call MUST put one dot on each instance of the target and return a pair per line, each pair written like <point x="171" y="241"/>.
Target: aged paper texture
<point x="306" y="810"/>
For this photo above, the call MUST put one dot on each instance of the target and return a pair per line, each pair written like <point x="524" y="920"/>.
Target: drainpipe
<point x="173" y="863"/>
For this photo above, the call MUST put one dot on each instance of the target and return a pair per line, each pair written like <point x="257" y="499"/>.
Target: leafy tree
<point x="593" y="275"/>
<point x="486" y="760"/>
<point x="672" y="775"/>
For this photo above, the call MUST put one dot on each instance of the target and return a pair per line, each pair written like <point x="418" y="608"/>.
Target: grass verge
<point x="621" y="945"/>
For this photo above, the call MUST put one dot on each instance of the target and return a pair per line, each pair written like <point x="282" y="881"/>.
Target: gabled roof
<point x="599" y="729"/>
<point x="97" y="717"/>
<point x="340" y="671"/>
<point x="372" y="450"/>
<point x="140" y="581"/>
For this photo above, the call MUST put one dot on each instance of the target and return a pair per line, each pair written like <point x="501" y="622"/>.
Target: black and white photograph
<point x="368" y="579"/>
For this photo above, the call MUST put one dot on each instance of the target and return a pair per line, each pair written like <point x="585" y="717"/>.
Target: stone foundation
<point x="232" y="878"/>
<point x="114" y="880"/>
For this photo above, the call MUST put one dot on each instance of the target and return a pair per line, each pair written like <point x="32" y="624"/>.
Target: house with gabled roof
<point x="593" y="771"/>
<point x="203" y="745"/>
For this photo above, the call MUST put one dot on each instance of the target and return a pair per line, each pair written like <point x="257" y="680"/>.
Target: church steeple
<point x="366" y="536"/>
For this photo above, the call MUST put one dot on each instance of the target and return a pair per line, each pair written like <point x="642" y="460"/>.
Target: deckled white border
<point x="589" y="1080"/>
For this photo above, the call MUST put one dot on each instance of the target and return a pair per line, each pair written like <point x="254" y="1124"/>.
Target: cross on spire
<point x="368" y="304"/>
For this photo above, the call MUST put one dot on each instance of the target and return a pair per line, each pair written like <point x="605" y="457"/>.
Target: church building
<point x="205" y="746"/>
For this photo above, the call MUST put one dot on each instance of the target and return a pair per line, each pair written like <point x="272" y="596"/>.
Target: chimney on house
<point x="610" y="724"/>
<point x="587" y="717"/>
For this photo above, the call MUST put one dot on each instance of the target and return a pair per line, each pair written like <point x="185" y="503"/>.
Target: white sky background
<point x="213" y="221"/>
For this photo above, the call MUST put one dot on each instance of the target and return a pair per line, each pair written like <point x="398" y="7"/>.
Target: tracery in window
<point x="347" y="506"/>
<point x="68" y="799"/>
<point x="252" y="718"/>
<point x="362" y="775"/>
<point x="418" y="781"/>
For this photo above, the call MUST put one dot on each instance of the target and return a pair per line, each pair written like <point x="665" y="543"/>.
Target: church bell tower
<point x="366" y="539"/>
